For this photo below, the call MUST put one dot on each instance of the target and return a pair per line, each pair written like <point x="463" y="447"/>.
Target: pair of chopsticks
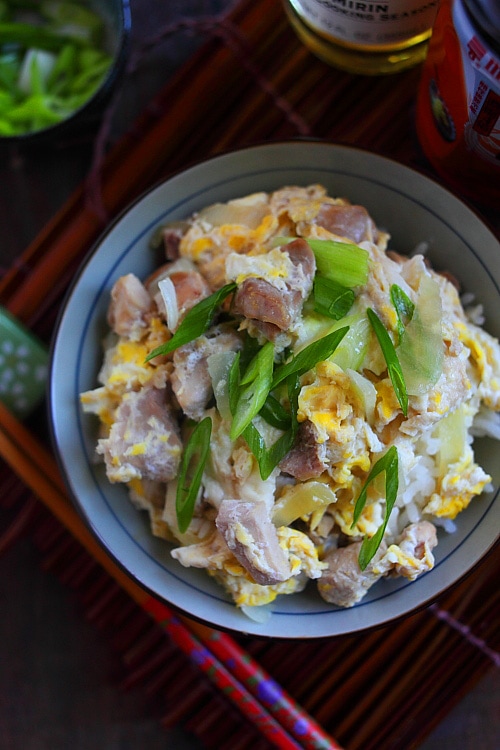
<point x="280" y="719"/>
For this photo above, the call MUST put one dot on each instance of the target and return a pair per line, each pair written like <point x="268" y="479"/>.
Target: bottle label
<point x="481" y="69"/>
<point x="368" y="23"/>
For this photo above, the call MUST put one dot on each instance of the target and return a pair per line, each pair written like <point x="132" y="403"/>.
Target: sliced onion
<point x="43" y="60"/>
<point x="421" y="351"/>
<point x="258" y="614"/>
<point x="366" y="392"/>
<point x="300" y="500"/>
<point x="452" y="434"/>
<point x="219" y="365"/>
<point x="247" y="212"/>
<point x="181" y="264"/>
<point x="169" y="297"/>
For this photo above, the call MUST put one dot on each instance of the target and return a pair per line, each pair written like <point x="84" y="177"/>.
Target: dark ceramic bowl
<point x="117" y="24"/>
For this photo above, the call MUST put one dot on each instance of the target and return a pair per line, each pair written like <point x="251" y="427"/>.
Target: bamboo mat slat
<point x="254" y="82"/>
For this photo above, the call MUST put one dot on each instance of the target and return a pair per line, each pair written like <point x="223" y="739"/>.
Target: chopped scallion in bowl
<point x="56" y="57"/>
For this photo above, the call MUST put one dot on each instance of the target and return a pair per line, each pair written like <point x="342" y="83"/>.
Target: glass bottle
<point x="367" y="38"/>
<point x="458" y="102"/>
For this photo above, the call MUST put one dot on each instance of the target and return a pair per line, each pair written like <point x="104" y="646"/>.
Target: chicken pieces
<point x="347" y="416"/>
<point x="144" y="439"/>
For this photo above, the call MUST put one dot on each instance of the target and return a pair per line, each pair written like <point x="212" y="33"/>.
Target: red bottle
<point x="458" y="105"/>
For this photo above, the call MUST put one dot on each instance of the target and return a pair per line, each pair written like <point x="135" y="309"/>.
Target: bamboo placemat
<point x="254" y="82"/>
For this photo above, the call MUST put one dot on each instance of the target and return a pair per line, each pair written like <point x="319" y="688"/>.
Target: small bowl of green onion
<point x="59" y="60"/>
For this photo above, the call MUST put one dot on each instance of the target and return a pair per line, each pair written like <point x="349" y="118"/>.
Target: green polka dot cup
<point x="23" y="366"/>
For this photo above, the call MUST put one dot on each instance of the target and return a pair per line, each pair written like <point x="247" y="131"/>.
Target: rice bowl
<point x="347" y="172"/>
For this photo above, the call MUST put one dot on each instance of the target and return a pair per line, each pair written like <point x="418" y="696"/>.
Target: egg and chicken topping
<point x="290" y="400"/>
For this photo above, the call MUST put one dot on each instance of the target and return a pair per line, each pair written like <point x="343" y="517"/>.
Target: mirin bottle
<point x="365" y="37"/>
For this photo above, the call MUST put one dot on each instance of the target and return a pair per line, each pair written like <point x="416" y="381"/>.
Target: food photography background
<point x="65" y="677"/>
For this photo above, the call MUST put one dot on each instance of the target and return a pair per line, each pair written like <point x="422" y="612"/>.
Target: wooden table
<point x="252" y="81"/>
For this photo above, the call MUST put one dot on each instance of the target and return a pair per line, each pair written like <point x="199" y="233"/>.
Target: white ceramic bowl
<point x="413" y="209"/>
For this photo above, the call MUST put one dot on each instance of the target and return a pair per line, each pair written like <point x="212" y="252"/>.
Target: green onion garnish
<point x="254" y="388"/>
<point x="195" y="322"/>
<point x="404" y="308"/>
<point x="391" y="359"/>
<point x="275" y="414"/>
<point x="191" y="469"/>
<point x="269" y="458"/>
<point x="305" y="360"/>
<point x="389" y="464"/>
<point x="51" y="65"/>
<point x="331" y="298"/>
<point x="343" y="262"/>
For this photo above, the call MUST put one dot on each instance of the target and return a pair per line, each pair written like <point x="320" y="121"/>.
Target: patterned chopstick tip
<point x="270" y="693"/>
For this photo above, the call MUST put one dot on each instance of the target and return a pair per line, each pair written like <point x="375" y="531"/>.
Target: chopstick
<point x="216" y="654"/>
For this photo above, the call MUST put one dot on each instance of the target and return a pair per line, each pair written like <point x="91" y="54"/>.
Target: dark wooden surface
<point x="62" y="684"/>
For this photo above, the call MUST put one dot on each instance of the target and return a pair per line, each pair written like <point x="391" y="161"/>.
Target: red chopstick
<point x="254" y="692"/>
<point x="230" y="656"/>
<point x="221" y="677"/>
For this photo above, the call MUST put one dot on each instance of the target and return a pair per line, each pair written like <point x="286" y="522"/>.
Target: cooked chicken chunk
<point x="344" y="583"/>
<point x="129" y="307"/>
<point x="171" y="237"/>
<point x="414" y="555"/>
<point x="271" y="301"/>
<point x="144" y="439"/>
<point x="345" y="220"/>
<point x="149" y="495"/>
<point x="307" y="459"/>
<point x="190" y="378"/>
<point x="251" y="536"/>
<point x="211" y="554"/>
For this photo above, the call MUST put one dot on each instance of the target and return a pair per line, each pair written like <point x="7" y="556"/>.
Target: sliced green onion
<point x="254" y="388"/>
<point x="35" y="71"/>
<point x="219" y="366"/>
<point x="331" y="298"/>
<point x="391" y="359"/>
<point x="52" y="65"/>
<point x="389" y="464"/>
<point x="35" y="37"/>
<point x="9" y="71"/>
<point x="275" y="414"/>
<point x="404" y="308"/>
<point x="269" y="458"/>
<point x="195" y="323"/>
<point x="234" y="383"/>
<point x="251" y="348"/>
<point x="263" y="356"/>
<point x="193" y="462"/>
<point x="305" y="360"/>
<point x="345" y="263"/>
<point x="73" y="19"/>
<point x="351" y="351"/>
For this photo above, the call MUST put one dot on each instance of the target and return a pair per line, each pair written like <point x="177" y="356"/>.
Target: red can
<point x="458" y="104"/>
